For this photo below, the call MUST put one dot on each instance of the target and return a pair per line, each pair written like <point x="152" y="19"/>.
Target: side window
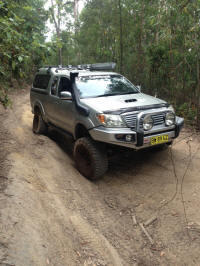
<point x="54" y="86"/>
<point x="41" y="81"/>
<point x="64" y="85"/>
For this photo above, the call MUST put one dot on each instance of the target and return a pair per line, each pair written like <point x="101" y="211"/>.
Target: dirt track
<point x="51" y="215"/>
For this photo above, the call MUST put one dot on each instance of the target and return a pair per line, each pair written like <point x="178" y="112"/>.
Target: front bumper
<point x="139" y="139"/>
<point x="179" y="125"/>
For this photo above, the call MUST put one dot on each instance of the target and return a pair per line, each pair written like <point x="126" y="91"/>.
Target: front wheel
<point x="91" y="159"/>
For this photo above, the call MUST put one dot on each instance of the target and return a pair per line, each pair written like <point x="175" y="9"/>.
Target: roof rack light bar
<point x="103" y="66"/>
<point x="97" y="67"/>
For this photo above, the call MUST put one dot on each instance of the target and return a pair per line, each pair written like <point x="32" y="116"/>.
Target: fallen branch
<point x="134" y="220"/>
<point x="146" y="233"/>
<point x="150" y="221"/>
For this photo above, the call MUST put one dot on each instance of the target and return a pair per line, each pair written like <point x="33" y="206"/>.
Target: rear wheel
<point x="39" y="126"/>
<point x="90" y="157"/>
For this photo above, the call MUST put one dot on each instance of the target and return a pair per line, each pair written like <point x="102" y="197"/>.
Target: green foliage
<point x="187" y="111"/>
<point x="161" y="45"/>
<point x="4" y="99"/>
<point x="22" y="42"/>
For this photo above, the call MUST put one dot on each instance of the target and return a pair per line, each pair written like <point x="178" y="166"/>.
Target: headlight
<point x="147" y="122"/>
<point x="170" y="119"/>
<point x="111" y="120"/>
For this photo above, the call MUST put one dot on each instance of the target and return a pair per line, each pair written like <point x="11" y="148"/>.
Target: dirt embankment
<point x="51" y="215"/>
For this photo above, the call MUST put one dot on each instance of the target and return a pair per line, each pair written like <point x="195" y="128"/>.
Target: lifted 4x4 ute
<point x="99" y="109"/>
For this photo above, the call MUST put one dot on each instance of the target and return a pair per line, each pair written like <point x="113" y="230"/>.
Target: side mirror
<point x="139" y="87"/>
<point x="66" y="95"/>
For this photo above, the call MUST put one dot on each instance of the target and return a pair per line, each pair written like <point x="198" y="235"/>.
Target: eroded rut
<point x="51" y="215"/>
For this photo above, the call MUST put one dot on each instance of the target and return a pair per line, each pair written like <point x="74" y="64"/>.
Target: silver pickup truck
<point x="100" y="109"/>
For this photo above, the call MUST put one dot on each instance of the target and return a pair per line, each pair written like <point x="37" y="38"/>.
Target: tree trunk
<point x="57" y="26"/>
<point x="198" y="91"/>
<point x="76" y="10"/>
<point x="60" y="57"/>
<point x="141" y="59"/>
<point x="76" y="18"/>
<point x="121" y="37"/>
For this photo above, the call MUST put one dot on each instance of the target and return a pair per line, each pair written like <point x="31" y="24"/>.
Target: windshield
<point x="105" y="85"/>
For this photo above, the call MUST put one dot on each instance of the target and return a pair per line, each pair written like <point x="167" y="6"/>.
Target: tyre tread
<point x="42" y="127"/>
<point x="98" y="153"/>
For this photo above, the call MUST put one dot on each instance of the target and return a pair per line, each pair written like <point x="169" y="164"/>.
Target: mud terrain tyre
<point x="90" y="158"/>
<point x="39" y="126"/>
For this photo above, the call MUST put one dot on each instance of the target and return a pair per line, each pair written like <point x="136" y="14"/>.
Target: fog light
<point x="119" y="136"/>
<point x="128" y="138"/>
<point x="124" y="137"/>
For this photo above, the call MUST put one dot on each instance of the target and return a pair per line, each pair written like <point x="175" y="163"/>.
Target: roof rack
<point x="99" y="66"/>
<point x="89" y="67"/>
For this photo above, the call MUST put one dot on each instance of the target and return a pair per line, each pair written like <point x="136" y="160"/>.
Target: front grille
<point x="131" y="120"/>
<point x="158" y="119"/>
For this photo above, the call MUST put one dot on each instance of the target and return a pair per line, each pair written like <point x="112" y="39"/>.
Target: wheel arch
<point x="38" y="108"/>
<point x="81" y="131"/>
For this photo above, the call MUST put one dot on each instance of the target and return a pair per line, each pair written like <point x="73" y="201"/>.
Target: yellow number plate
<point x="159" y="139"/>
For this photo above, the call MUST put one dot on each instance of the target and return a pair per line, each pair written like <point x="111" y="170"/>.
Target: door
<point x="52" y="102"/>
<point x="64" y="109"/>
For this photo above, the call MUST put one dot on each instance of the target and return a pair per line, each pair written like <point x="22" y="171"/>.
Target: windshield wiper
<point x="111" y="94"/>
<point x="104" y="95"/>
<point x="133" y="92"/>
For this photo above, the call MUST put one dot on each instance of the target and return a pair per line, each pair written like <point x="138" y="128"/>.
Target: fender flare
<point x="81" y="124"/>
<point x="38" y="104"/>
